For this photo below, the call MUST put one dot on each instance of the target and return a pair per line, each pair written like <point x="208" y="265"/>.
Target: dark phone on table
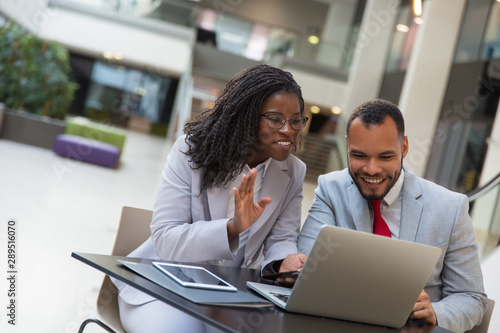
<point x="274" y="276"/>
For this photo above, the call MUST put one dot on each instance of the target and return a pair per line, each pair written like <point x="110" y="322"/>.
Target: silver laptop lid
<point x="362" y="277"/>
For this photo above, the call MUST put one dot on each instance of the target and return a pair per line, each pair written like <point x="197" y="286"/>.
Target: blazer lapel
<point x="274" y="187"/>
<point x="411" y="209"/>
<point x="359" y="209"/>
<point x="217" y="202"/>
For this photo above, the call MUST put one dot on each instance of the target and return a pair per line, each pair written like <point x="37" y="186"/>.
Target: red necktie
<point x="379" y="225"/>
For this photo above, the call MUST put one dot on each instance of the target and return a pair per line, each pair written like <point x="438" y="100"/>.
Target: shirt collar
<point x="394" y="192"/>
<point x="262" y="165"/>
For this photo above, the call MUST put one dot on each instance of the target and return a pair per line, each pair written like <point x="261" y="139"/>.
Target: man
<point x="412" y="208"/>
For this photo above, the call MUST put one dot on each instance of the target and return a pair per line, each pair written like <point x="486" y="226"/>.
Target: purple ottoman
<point x="87" y="150"/>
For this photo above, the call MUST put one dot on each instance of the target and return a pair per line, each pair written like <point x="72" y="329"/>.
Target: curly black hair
<point x="221" y="140"/>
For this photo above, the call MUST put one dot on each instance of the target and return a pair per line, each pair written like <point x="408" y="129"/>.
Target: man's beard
<point x="393" y="181"/>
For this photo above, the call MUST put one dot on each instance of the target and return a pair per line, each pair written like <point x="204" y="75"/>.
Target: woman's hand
<point x="246" y="211"/>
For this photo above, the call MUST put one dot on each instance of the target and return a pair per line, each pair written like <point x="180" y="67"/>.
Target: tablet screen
<point x="194" y="276"/>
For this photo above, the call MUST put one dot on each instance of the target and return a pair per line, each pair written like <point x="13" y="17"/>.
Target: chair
<point x="133" y="230"/>
<point x="483" y="327"/>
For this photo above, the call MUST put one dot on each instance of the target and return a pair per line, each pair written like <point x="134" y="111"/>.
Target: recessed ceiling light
<point x="314" y="109"/>
<point x="107" y="54"/>
<point x="419" y="20"/>
<point x="336" y="110"/>
<point x="417" y="7"/>
<point x="141" y="91"/>
<point x="402" y="28"/>
<point x="313" y="39"/>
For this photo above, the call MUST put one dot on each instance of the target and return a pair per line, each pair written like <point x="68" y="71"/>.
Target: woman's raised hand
<point x="246" y="211"/>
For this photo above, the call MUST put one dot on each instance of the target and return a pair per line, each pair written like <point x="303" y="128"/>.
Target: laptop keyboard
<point x="282" y="297"/>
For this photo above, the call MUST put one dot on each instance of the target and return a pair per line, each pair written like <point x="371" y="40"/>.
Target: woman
<point x="230" y="193"/>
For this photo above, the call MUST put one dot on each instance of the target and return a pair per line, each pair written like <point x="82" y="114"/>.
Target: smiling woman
<point x="230" y="194"/>
<point x="278" y="134"/>
<point x="227" y="137"/>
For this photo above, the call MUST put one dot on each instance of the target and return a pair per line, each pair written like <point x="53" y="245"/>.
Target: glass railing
<point x="325" y="54"/>
<point x="482" y="190"/>
<point x="228" y="33"/>
<point x="485" y="213"/>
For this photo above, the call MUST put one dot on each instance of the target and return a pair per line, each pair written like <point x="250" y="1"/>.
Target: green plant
<point x="34" y="73"/>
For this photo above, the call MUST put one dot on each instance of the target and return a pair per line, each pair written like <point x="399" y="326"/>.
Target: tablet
<point x="194" y="276"/>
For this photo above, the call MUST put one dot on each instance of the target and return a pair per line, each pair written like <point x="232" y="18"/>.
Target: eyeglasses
<point x="277" y="120"/>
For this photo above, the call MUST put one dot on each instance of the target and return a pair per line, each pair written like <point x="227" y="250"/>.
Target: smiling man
<point x="377" y="194"/>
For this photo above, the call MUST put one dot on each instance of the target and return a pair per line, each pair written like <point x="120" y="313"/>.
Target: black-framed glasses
<point x="277" y="120"/>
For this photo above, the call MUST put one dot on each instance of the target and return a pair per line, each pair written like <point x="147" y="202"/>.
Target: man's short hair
<point x="374" y="112"/>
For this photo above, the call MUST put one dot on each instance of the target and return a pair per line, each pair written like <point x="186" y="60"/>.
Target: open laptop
<point x="357" y="276"/>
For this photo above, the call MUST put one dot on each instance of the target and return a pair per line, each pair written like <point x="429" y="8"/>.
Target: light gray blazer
<point x="431" y="215"/>
<point x="191" y="226"/>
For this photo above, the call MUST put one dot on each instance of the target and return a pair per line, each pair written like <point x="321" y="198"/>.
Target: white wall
<point x="93" y="35"/>
<point x="320" y="90"/>
<point x="136" y="45"/>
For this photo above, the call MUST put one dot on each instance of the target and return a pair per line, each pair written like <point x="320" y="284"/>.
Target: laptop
<point x="357" y="276"/>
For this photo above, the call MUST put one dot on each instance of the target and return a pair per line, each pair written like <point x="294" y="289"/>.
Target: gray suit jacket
<point x="431" y="215"/>
<point x="191" y="226"/>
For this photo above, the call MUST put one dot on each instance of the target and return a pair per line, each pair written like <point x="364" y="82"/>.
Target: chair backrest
<point x="483" y="327"/>
<point x="133" y="230"/>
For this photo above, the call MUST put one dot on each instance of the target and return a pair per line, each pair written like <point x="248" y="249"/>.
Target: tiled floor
<point x="61" y="206"/>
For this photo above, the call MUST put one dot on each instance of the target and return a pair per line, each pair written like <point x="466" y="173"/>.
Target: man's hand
<point x="246" y="211"/>
<point x="423" y="309"/>
<point x="293" y="262"/>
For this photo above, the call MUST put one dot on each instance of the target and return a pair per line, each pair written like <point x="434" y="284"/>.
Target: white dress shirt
<point x="390" y="206"/>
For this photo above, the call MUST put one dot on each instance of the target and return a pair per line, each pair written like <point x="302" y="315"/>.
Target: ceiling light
<point x="141" y="91"/>
<point x="402" y="28"/>
<point x="313" y="39"/>
<point x="314" y="109"/>
<point x="336" y="110"/>
<point x="417" y="7"/>
<point x="107" y="54"/>
<point x="418" y="20"/>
